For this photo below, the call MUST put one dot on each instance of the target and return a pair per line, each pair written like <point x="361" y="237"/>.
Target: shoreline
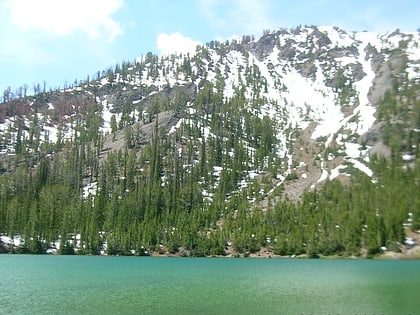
<point x="411" y="254"/>
<point x="406" y="252"/>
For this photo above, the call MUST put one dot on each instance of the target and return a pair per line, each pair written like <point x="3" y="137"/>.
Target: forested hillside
<point x="302" y="142"/>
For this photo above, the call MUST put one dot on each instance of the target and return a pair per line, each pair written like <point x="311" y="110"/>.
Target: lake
<point x="156" y="285"/>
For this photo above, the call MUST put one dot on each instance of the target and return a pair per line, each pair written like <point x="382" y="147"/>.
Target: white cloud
<point x="61" y="17"/>
<point x="175" y="43"/>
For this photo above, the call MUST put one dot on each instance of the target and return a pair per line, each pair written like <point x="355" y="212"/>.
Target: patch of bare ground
<point x="141" y="133"/>
<point x="407" y="252"/>
<point x="305" y="171"/>
<point x="306" y="168"/>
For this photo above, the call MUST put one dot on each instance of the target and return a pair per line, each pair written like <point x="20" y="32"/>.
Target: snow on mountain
<point x="317" y="79"/>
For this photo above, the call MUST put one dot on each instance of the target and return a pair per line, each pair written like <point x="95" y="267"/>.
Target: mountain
<point x="304" y="141"/>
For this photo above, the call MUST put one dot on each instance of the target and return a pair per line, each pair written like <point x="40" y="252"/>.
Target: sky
<point x="58" y="41"/>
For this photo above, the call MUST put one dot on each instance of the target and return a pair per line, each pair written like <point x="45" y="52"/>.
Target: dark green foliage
<point x="66" y="249"/>
<point x="161" y="208"/>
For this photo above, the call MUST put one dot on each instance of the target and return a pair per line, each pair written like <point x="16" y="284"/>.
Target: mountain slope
<point x="238" y="125"/>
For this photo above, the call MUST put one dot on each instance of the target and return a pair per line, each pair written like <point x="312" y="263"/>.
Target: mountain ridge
<point x="287" y="112"/>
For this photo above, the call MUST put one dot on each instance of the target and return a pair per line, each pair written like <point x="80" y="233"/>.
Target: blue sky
<point x="58" y="41"/>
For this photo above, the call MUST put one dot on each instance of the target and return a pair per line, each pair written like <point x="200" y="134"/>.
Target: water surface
<point x="150" y="285"/>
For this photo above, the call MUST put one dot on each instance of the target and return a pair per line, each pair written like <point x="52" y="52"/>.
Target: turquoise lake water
<point x="151" y="285"/>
